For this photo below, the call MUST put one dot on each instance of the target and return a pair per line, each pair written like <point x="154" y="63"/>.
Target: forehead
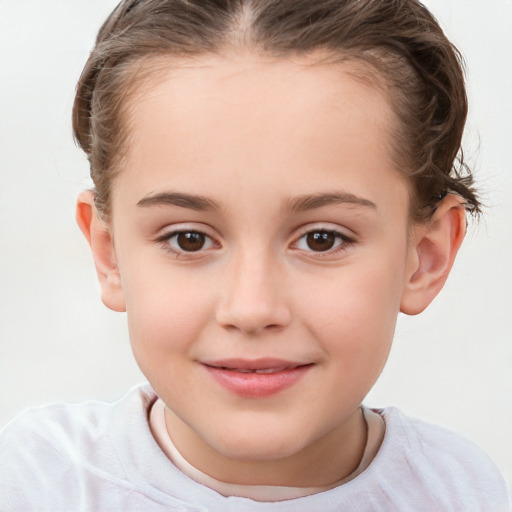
<point x="254" y="120"/>
<point x="306" y="86"/>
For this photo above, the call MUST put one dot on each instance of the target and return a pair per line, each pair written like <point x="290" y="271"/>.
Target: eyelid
<point x="324" y="226"/>
<point x="180" y="227"/>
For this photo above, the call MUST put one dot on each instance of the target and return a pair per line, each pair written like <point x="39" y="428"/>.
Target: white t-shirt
<point x="102" y="457"/>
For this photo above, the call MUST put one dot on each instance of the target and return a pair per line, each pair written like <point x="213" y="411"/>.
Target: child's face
<point x="258" y="222"/>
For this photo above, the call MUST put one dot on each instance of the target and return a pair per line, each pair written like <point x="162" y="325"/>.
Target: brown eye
<point x="190" y="241"/>
<point x="320" y="241"/>
<point x="181" y="242"/>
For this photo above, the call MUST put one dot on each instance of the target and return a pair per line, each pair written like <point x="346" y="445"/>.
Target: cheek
<point x="166" y="312"/>
<point x="354" y="312"/>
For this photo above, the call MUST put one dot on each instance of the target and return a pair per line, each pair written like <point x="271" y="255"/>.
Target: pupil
<point x="320" y="241"/>
<point x="191" y="241"/>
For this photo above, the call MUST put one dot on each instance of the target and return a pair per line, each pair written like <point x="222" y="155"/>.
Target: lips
<point x="256" y="378"/>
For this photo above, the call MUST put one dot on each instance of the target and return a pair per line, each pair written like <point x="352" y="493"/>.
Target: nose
<point x="253" y="296"/>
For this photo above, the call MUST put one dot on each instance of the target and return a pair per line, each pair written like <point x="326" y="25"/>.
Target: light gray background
<point x="451" y="365"/>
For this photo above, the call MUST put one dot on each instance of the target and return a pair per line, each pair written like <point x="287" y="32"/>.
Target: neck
<point x="324" y="461"/>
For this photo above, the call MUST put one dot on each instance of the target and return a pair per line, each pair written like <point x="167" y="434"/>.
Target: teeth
<point x="265" y="370"/>
<point x="270" y="370"/>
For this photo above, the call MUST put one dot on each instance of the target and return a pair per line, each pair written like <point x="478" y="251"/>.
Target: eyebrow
<point x="190" y="201"/>
<point x="313" y="201"/>
<point x="295" y="204"/>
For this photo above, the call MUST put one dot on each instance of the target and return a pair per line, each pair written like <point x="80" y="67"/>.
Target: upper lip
<point x="254" y="364"/>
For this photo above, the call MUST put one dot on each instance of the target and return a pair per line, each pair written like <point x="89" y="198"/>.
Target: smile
<point x="267" y="370"/>
<point x="256" y="378"/>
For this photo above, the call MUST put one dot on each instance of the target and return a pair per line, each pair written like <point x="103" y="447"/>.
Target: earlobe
<point x="100" y="240"/>
<point x="432" y="254"/>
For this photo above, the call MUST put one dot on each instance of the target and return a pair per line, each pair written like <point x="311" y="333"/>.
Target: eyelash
<point x="165" y="241"/>
<point x="342" y="242"/>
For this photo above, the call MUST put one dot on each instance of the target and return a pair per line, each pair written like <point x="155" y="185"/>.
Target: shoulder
<point x="452" y="468"/>
<point x="435" y="443"/>
<point x="52" y="446"/>
<point x="56" y="424"/>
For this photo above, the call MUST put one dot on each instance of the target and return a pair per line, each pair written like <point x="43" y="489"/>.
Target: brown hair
<point x="399" y="40"/>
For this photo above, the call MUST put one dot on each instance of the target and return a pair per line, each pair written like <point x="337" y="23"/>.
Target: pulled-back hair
<point x="400" y="44"/>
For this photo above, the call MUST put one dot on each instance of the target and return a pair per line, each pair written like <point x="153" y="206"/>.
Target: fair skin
<point x="299" y="249"/>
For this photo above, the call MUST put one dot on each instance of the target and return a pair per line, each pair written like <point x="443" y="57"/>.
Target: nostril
<point x="230" y="327"/>
<point x="251" y="329"/>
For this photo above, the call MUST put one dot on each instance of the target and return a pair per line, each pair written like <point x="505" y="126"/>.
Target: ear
<point x="432" y="254"/>
<point x="102" y="246"/>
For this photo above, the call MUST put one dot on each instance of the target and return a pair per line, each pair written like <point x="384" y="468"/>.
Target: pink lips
<point x="256" y="378"/>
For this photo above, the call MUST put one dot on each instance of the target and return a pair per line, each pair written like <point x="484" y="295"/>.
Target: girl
<point x="274" y="183"/>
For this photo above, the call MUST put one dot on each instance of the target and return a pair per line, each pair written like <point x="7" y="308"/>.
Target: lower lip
<point x="257" y="385"/>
